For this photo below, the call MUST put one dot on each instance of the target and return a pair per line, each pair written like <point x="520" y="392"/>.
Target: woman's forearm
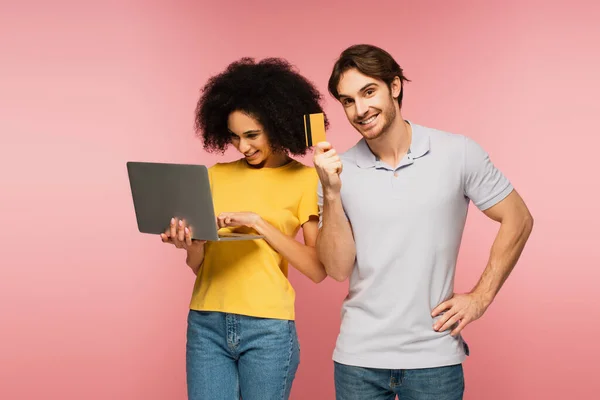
<point x="195" y="259"/>
<point x="302" y="257"/>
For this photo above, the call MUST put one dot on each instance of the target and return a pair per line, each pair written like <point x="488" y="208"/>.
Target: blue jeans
<point x="358" y="383"/>
<point x="230" y="355"/>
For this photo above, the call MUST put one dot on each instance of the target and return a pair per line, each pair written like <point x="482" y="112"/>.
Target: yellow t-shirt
<point x="249" y="277"/>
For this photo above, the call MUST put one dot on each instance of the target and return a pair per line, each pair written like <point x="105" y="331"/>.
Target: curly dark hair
<point x="272" y="91"/>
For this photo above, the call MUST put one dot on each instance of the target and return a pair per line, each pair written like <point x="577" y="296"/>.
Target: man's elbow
<point x="319" y="275"/>
<point x="527" y="223"/>
<point x="339" y="275"/>
<point x="336" y="272"/>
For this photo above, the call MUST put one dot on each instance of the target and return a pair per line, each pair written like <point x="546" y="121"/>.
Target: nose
<point x="361" y="108"/>
<point x="243" y="145"/>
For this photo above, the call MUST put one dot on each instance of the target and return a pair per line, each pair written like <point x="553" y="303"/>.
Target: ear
<point x="396" y="87"/>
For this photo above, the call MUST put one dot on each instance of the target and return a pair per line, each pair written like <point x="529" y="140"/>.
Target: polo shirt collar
<point x="419" y="146"/>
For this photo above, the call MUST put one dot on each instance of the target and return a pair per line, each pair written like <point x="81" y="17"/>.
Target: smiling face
<point x="250" y="139"/>
<point x="370" y="105"/>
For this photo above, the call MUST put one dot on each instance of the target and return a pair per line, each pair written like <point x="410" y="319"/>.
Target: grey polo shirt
<point x="408" y="222"/>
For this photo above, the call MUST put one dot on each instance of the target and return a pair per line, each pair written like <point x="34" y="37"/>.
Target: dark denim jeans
<point x="358" y="383"/>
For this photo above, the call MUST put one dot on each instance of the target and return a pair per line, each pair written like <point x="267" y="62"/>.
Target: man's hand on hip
<point x="460" y="310"/>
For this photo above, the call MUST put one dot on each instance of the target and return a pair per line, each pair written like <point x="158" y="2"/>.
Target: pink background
<point x="91" y="309"/>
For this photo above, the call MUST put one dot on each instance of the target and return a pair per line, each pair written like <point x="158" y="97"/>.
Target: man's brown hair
<point x="369" y="60"/>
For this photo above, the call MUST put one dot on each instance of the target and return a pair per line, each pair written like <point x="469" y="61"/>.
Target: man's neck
<point x="394" y="143"/>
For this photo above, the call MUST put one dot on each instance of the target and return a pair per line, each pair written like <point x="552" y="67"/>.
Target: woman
<point x="241" y="337"/>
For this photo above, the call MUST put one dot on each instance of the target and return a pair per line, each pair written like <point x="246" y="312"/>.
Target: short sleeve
<point x="308" y="202"/>
<point x="483" y="183"/>
<point x="320" y="203"/>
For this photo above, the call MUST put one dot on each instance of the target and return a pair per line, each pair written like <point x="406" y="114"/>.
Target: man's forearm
<point x="505" y="253"/>
<point x="335" y="244"/>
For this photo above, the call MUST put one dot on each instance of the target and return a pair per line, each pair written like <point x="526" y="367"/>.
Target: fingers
<point x="446" y="305"/>
<point x="176" y="233"/>
<point x="173" y="229"/>
<point x="329" y="154"/>
<point x="322" y="147"/>
<point x="329" y="162"/>
<point x="332" y="162"/>
<point x="447" y="321"/>
<point x="165" y="238"/>
<point x="221" y="220"/>
<point x="337" y="167"/>
<point x="460" y="327"/>
<point x="224" y="220"/>
<point x="181" y="231"/>
<point x="443" y="319"/>
<point x="183" y="235"/>
<point x="188" y="236"/>
<point x="166" y="235"/>
<point x="458" y="312"/>
<point x="325" y="154"/>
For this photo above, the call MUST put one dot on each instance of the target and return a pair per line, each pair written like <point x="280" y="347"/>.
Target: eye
<point x="252" y="136"/>
<point x="370" y="92"/>
<point x="346" y="102"/>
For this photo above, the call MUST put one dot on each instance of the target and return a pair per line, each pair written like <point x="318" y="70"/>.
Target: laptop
<point x="162" y="191"/>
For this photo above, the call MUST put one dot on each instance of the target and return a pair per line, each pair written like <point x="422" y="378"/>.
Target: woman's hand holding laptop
<point x="180" y="235"/>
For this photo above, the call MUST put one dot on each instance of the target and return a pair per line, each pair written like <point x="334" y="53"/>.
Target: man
<point x="392" y="221"/>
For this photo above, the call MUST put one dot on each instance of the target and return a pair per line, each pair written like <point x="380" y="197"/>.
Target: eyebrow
<point x="361" y="89"/>
<point x="247" y="132"/>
